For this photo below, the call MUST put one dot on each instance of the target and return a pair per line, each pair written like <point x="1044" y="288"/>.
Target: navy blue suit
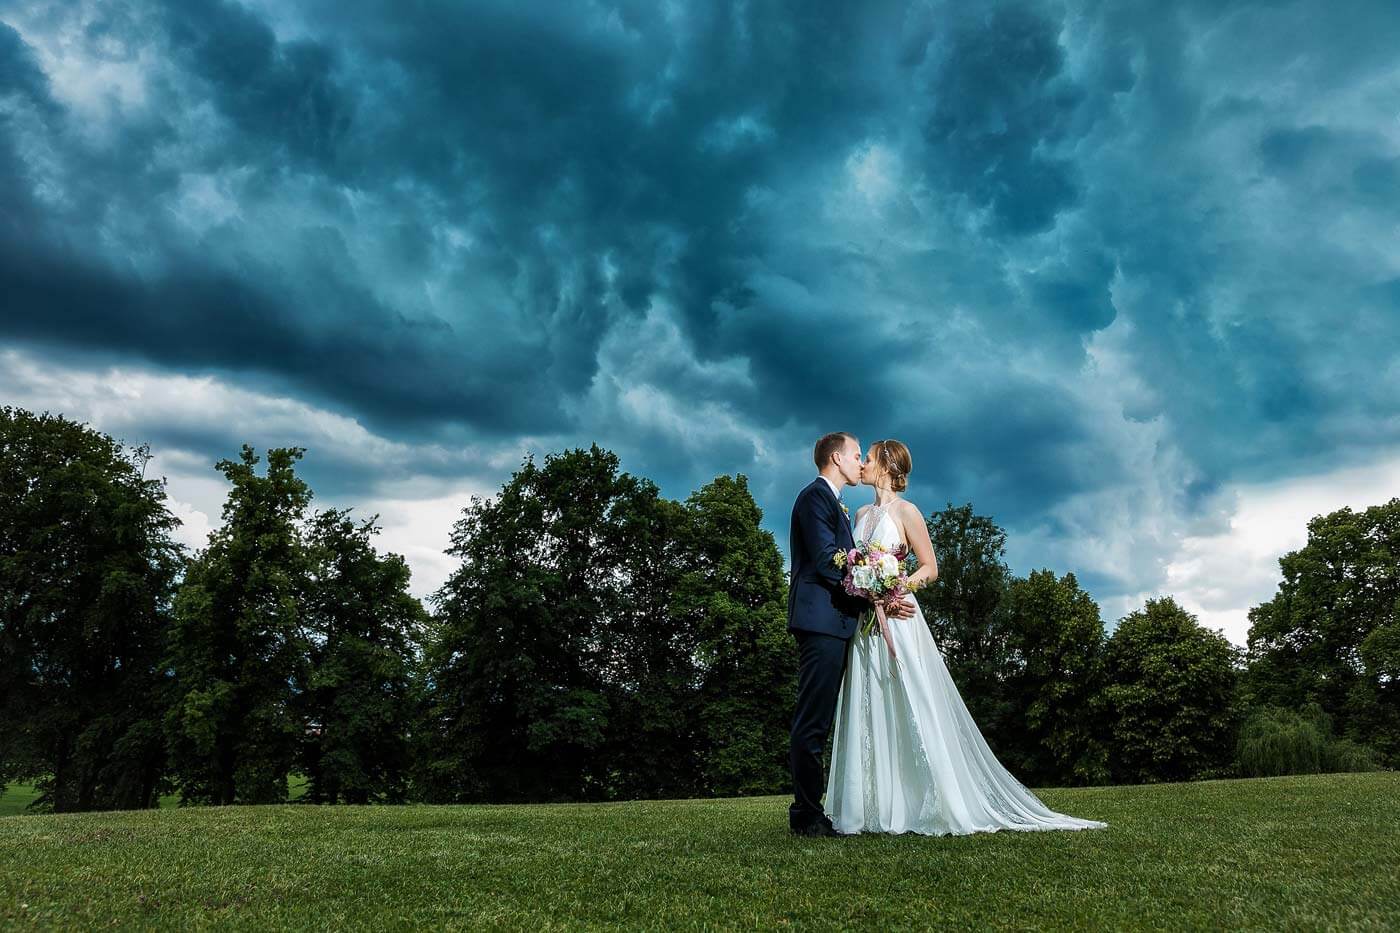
<point x="823" y="617"/>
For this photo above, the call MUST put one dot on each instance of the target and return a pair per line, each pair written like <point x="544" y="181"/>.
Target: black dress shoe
<point x="816" y="829"/>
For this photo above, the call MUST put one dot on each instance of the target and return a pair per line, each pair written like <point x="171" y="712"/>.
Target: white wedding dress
<point x="906" y="755"/>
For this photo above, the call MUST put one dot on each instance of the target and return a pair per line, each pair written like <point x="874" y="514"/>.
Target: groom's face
<point x="848" y="462"/>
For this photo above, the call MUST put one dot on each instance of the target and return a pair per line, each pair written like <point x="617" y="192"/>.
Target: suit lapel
<point x="846" y="524"/>
<point x="845" y="521"/>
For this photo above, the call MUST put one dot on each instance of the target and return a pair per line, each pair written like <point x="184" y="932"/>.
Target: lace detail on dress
<point x="870" y="801"/>
<point x="871" y="522"/>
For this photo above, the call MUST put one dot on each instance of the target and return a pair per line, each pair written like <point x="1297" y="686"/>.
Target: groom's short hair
<point x="830" y="444"/>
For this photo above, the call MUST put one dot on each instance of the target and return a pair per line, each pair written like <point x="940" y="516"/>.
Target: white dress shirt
<point x="834" y="491"/>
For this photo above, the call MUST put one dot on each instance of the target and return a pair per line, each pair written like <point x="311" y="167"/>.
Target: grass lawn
<point x="15" y="798"/>
<point x="1301" y="852"/>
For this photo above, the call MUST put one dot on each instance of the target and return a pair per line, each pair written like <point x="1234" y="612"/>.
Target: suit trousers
<point x="820" y="666"/>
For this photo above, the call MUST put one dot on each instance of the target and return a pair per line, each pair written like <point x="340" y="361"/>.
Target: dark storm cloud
<point x="220" y="320"/>
<point x="19" y="68"/>
<point x="1001" y="95"/>
<point x="1089" y="259"/>
<point x="539" y="135"/>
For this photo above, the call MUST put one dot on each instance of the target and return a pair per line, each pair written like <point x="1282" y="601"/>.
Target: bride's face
<point x="869" y="470"/>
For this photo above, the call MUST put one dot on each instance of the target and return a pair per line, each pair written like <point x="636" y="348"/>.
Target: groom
<point x="823" y="617"/>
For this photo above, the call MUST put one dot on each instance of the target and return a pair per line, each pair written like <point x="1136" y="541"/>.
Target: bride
<point x="906" y="756"/>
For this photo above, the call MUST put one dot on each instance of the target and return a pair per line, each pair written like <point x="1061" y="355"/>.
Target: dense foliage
<point x="87" y="573"/>
<point x="597" y="641"/>
<point x="237" y="645"/>
<point x="1169" y="696"/>
<point x="1284" y="741"/>
<point x="532" y="659"/>
<point x="1331" y="634"/>
<point x="1055" y="671"/>
<point x="733" y="596"/>
<point x="359" y="690"/>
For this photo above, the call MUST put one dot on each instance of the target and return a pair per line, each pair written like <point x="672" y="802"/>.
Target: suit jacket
<point x="817" y="602"/>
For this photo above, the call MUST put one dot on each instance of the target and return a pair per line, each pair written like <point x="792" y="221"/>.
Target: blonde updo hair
<point x="894" y="457"/>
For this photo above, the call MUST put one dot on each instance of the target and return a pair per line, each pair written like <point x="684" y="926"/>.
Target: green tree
<point x="1284" y="741"/>
<point x="963" y="610"/>
<point x="733" y="596"/>
<point x="357" y="700"/>
<point x="546" y="633"/>
<point x="1331" y="633"/>
<point x="237" y="645"/>
<point x="650" y="745"/>
<point x="1054" y="672"/>
<point x="1168" y="697"/>
<point x="87" y="573"/>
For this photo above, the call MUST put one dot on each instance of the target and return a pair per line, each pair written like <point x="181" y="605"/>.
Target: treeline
<point x="1161" y="698"/>
<point x="597" y="641"/>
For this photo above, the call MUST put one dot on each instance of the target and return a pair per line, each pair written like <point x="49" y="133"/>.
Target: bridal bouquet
<point x="881" y="576"/>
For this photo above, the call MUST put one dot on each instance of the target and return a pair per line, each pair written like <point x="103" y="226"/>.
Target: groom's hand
<point x="900" y="609"/>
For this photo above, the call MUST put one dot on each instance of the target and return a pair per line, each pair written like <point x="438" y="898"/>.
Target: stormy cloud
<point x="1105" y="267"/>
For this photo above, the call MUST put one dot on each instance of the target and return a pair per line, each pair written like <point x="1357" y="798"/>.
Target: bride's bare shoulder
<point x="908" y="510"/>
<point x="910" y="518"/>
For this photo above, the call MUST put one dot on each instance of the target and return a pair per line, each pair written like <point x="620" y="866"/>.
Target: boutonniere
<point x="844" y="509"/>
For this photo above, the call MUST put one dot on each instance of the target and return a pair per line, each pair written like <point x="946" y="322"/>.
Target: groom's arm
<point x="819" y="536"/>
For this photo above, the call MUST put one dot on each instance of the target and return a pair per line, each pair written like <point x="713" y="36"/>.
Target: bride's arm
<point x="916" y="533"/>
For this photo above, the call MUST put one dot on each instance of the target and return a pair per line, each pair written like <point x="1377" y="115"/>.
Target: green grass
<point x="16" y="798"/>
<point x="1306" y="852"/>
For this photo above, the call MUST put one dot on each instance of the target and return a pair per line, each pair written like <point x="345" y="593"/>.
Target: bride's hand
<point x="900" y="609"/>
